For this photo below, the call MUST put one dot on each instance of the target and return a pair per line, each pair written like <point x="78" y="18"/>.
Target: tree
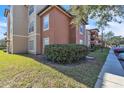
<point x="116" y="40"/>
<point x="107" y="36"/>
<point x="2" y="43"/>
<point x="122" y="41"/>
<point x="113" y="40"/>
<point x="101" y="13"/>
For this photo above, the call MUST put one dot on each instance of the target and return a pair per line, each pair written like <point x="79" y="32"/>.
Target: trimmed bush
<point x="65" y="53"/>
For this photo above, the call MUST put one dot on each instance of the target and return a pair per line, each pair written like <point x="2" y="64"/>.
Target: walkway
<point x="112" y="73"/>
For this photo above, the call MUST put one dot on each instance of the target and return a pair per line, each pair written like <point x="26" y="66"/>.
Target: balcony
<point x="93" y="42"/>
<point x="92" y="38"/>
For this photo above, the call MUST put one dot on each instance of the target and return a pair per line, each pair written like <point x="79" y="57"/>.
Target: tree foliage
<point x="108" y="36"/>
<point x="2" y="43"/>
<point x="115" y="40"/>
<point x="103" y="14"/>
<point x="110" y="39"/>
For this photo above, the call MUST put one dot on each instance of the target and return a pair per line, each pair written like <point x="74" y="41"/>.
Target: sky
<point x="3" y="21"/>
<point x="118" y="29"/>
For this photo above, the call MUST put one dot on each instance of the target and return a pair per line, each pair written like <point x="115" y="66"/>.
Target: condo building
<point x="93" y="37"/>
<point x="30" y="28"/>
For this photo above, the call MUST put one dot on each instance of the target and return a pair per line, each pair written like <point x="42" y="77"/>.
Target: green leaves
<point x="110" y="39"/>
<point x="63" y="53"/>
<point x="102" y="14"/>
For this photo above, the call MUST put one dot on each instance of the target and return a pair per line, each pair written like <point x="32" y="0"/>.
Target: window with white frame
<point x="31" y="27"/>
<point x="81" y="29"/>
<point x="46" y="22"/>
<point x="31" y="45"/>
<point x="81" y="41"/>
<point x="45" y="41"/>
<point x="31" y="9"/>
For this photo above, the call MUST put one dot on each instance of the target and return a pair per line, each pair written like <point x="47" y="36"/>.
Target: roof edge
<point x="57" y="6"/>
<point x="48" y="6"/>
<point x="93" y="29"/>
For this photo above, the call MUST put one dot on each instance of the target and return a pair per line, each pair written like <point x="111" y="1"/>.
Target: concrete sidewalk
<point x="112" y="73"/>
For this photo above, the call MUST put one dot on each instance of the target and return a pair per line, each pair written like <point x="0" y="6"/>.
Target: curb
<point x="111" y="74"/>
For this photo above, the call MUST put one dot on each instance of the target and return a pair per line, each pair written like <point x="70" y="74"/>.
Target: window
<point x="31" y="27"/>
<point x="81" y="41"/>
<point x="31" y="45"/>
<point x="31" y="9"/>
<point x="45" y="41"/>
<point x="46" y="22"/>
<point x="81" y="29"/>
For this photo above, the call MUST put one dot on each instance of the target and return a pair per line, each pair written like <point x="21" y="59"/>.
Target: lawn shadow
<point x="74" y="71"/>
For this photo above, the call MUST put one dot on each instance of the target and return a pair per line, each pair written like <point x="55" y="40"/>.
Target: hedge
<point x="2" y="48"/>
<point x="65" y="53"/>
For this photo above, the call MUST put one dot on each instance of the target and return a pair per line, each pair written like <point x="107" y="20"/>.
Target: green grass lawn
<point x="21" y="71"/>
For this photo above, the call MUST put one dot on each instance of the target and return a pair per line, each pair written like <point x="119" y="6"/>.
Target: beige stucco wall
<point x="19" y="24"/>
<point x="30" y="38"/>
<point x="11" y="30"/>
<point x="8" y="32"/>
<point x="85" y="35"/>
<point x="20" y="28"/>
<point x="32" y="35"/>
<point x="35" y="35"/>
<point x="20" y="20"/>
<point x="38" y="35"/>
<point x="20" y="44"/>
<point x="87" y="38"/>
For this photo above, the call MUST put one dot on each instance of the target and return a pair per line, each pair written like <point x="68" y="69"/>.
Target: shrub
<point x="2" y="48"/>
<point x="95" y="47"/>
<point x="65" y="53"/>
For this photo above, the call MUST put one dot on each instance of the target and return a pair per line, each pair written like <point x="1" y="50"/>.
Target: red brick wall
<point x="60" y="29"/>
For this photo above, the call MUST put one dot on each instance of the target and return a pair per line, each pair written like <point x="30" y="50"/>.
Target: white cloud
<point x="2" y="31"/>
<point x="3" y="25"/>
<point x="3" y="28"/>
<point x="90" y="26"/>
<point x="117" y="28"/>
